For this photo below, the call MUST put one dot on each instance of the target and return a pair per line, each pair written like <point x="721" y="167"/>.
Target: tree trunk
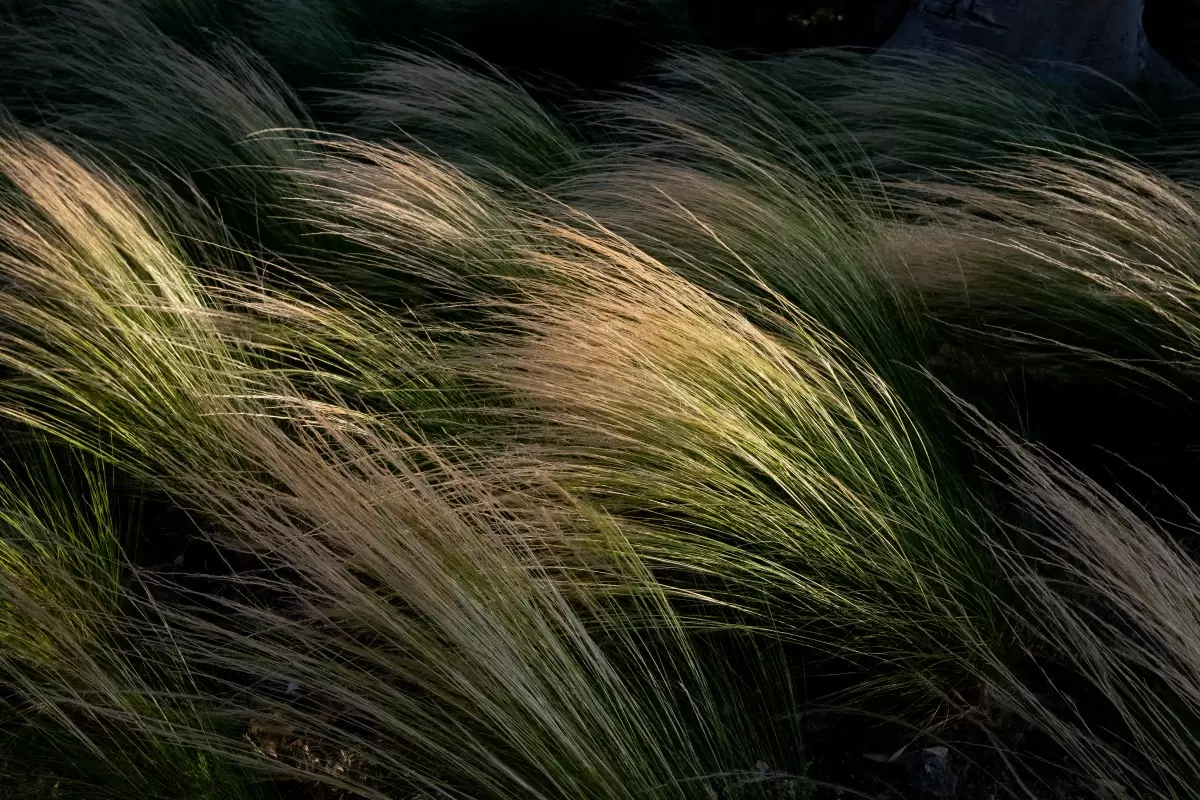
<point x="1051" y="36"/>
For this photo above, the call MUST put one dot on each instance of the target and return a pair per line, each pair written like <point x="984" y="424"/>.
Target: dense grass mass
<point x="381" y="421"/>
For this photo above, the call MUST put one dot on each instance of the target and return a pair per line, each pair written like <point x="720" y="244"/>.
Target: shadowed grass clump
<point x="99" y="78"/>
<point x="306" y="41"/>
<point x="1108" y="605"/>
<point x="80" y="701"/>
<point x="915" y="113"/>
<point x="478" y="119"/>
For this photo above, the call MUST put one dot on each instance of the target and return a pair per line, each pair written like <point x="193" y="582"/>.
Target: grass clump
<point x="917" y="114"/>
<point x="99" y="78"/>
<point x="79" y="705"/>
<point x="1110" y="244"/>
<point x="474" y="116"/>
<point x="678" y="414"/>
<point x="1107" y="608"/>
<point x="723" y="181"/>
<point x="775" y="483"/>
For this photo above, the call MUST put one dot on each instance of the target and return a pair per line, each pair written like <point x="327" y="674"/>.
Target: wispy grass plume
<point x="472" y="115"/>
<point x="99" y="76"/>
<point x="919" y="113"/>
<point x="1068" y="251"/>
<point x="1109" y="598"/>
<point x="79" y="699"/>
<point x="775" y="483"/>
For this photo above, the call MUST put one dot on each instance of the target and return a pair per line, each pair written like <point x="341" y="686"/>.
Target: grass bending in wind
<point x="1109" y="597"/>
<point x="399" y="593"/>
<point x="94" y="303"/>
<point x="80" y="701"/>
<point x="831" y="179"/>
<point x="776" y="484"/>
<point x="98" y="76"/>
<point x="750" y="188"/>
<point x="475" y="117"/>
<point x="917" y="114"/>
<point x="771" y="471"/>
<point x="511" y="615"/>
<point x="114" y="335"/>
<point x="422" y="232"/>
<point x="1089" y="259"/>
<point x="1068" y="251"/>
<point x="1034" y="226"/>
<point x="428" y="643"/>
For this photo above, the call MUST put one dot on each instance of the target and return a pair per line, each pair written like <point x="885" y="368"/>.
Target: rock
<point x="1054" y="37"/>
<point x="931" y="774"/>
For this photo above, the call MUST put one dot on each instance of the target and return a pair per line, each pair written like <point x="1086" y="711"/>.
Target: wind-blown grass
<point x="96" y="280"/>
<point x="774" y="482"/>
<point x="498" y="544"/>
<point x="421" y="230"/>
<point x="918" y="113"/>
<point x="1071" y="253"/>
<point x="399" y="591"/>
<point x="1092" y="259"/>
<point x="1109" y="596"/>
<point x="306" y="41"/>
<point x="98" y="77"/>
<point x="426" y="643"/>
<point x="748" y="188"/>
<point x="479" y="119"/>
<point x="833" y="405"/>
<point x="79" y="703"/>
<point x="760" y="235"/>
<point x="679" y="415"/>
